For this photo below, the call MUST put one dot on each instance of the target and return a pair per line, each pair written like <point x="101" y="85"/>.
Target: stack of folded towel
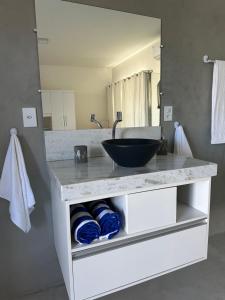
<point x="94" y="221"/>
<point x="83" y="227"/>
<point x="109" y="220"/>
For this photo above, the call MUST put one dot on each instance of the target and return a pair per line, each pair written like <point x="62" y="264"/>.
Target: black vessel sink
<point x="131" y="152"/>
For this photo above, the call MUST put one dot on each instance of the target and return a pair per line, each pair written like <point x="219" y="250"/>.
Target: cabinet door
<point x="155" y="209"/>
<point x="105" y="272"/>
<point x="69" y="110"/>
<point x="57" y="110"/>
<point x="46" y="103"/>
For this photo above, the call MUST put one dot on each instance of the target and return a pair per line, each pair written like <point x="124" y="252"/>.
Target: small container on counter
<point x="80" y="154"/>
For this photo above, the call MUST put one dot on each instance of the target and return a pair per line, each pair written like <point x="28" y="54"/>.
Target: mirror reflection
<point x="96" y="62"/>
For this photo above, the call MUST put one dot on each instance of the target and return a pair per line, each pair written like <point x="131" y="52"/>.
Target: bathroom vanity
<point x="165" y="207"/>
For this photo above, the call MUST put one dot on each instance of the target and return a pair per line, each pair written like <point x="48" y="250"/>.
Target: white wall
<point x="89" y="85"/>
<point x="143" y="60"/>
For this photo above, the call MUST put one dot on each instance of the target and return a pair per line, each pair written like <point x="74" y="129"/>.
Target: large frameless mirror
<point x="95" y="62"/>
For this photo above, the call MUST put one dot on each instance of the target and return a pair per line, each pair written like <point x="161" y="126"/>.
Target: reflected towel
<point x="109" y="220"/>
<point x="218" y="103"/>
<point x="84" y="228"/>
<point x="15" y="185"/>
<point x="181" y="146"/>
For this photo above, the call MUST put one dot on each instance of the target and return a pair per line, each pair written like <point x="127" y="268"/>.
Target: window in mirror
<point x="95" y="62"/>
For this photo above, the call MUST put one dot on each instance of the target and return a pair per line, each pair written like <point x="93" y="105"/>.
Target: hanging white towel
<point x="181" y="145"/>
<point x="15" y="185"/>
<point x="218" y="103"/>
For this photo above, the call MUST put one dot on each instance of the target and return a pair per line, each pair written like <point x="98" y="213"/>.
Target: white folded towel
<point x="218" y="103"/>
<point x="15" y="185"/>
<point x="181" y="145"/>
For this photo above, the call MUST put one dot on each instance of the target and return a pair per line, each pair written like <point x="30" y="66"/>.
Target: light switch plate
<point x="29" y="117"/>
<point x="168" y="113"/>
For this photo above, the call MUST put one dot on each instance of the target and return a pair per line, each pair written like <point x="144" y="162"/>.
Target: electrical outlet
<point x="29" y="117"/>
<point x="168" y="113"/>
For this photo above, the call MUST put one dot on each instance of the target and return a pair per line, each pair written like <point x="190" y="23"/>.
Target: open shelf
<point x="186" y="215"/>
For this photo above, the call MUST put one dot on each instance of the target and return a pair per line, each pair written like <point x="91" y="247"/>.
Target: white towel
<point x="218" y="103"/>
<point x="15" y="185"/>
<point x="181" y="146"/>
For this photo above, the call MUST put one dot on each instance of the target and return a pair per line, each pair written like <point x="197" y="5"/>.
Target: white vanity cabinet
<point x="165" y="224"/>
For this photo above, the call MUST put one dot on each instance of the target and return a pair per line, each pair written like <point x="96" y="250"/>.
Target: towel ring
<point x="13" y="131"/>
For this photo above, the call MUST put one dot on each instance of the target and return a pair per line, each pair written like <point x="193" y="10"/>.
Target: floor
<point x="203" y="281"/>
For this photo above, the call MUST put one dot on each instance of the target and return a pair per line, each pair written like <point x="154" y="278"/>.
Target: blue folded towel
<point x="109" y="220"/>
<point x="84" y="228"/>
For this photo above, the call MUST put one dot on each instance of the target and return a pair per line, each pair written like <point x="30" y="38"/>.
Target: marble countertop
<point x="100" y="176"/>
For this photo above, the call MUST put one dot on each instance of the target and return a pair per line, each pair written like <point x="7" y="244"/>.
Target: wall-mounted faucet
<point x="93" y="120"/>
<point x="118" y="119"/>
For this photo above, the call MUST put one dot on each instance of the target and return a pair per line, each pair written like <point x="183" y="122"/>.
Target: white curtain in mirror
<point x="132" y="96"/>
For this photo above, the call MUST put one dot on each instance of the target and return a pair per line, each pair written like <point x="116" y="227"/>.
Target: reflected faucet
<point x="118" y="119"/>
<point x="93" y="120"/>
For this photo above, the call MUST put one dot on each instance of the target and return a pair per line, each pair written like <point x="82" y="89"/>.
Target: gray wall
<point x="189" y="30"/>
<point x="27" y="262"/>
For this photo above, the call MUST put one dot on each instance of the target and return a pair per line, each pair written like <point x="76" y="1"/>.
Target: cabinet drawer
<point x="147" y="210"/>
<point x="114" y="269"/>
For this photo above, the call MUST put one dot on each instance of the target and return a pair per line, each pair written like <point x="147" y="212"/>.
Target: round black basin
<point x="131" y="152"/>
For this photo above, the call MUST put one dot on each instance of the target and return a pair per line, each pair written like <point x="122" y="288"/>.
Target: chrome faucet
<point x="118" y="119"/>
<point x="93" y="120"/>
